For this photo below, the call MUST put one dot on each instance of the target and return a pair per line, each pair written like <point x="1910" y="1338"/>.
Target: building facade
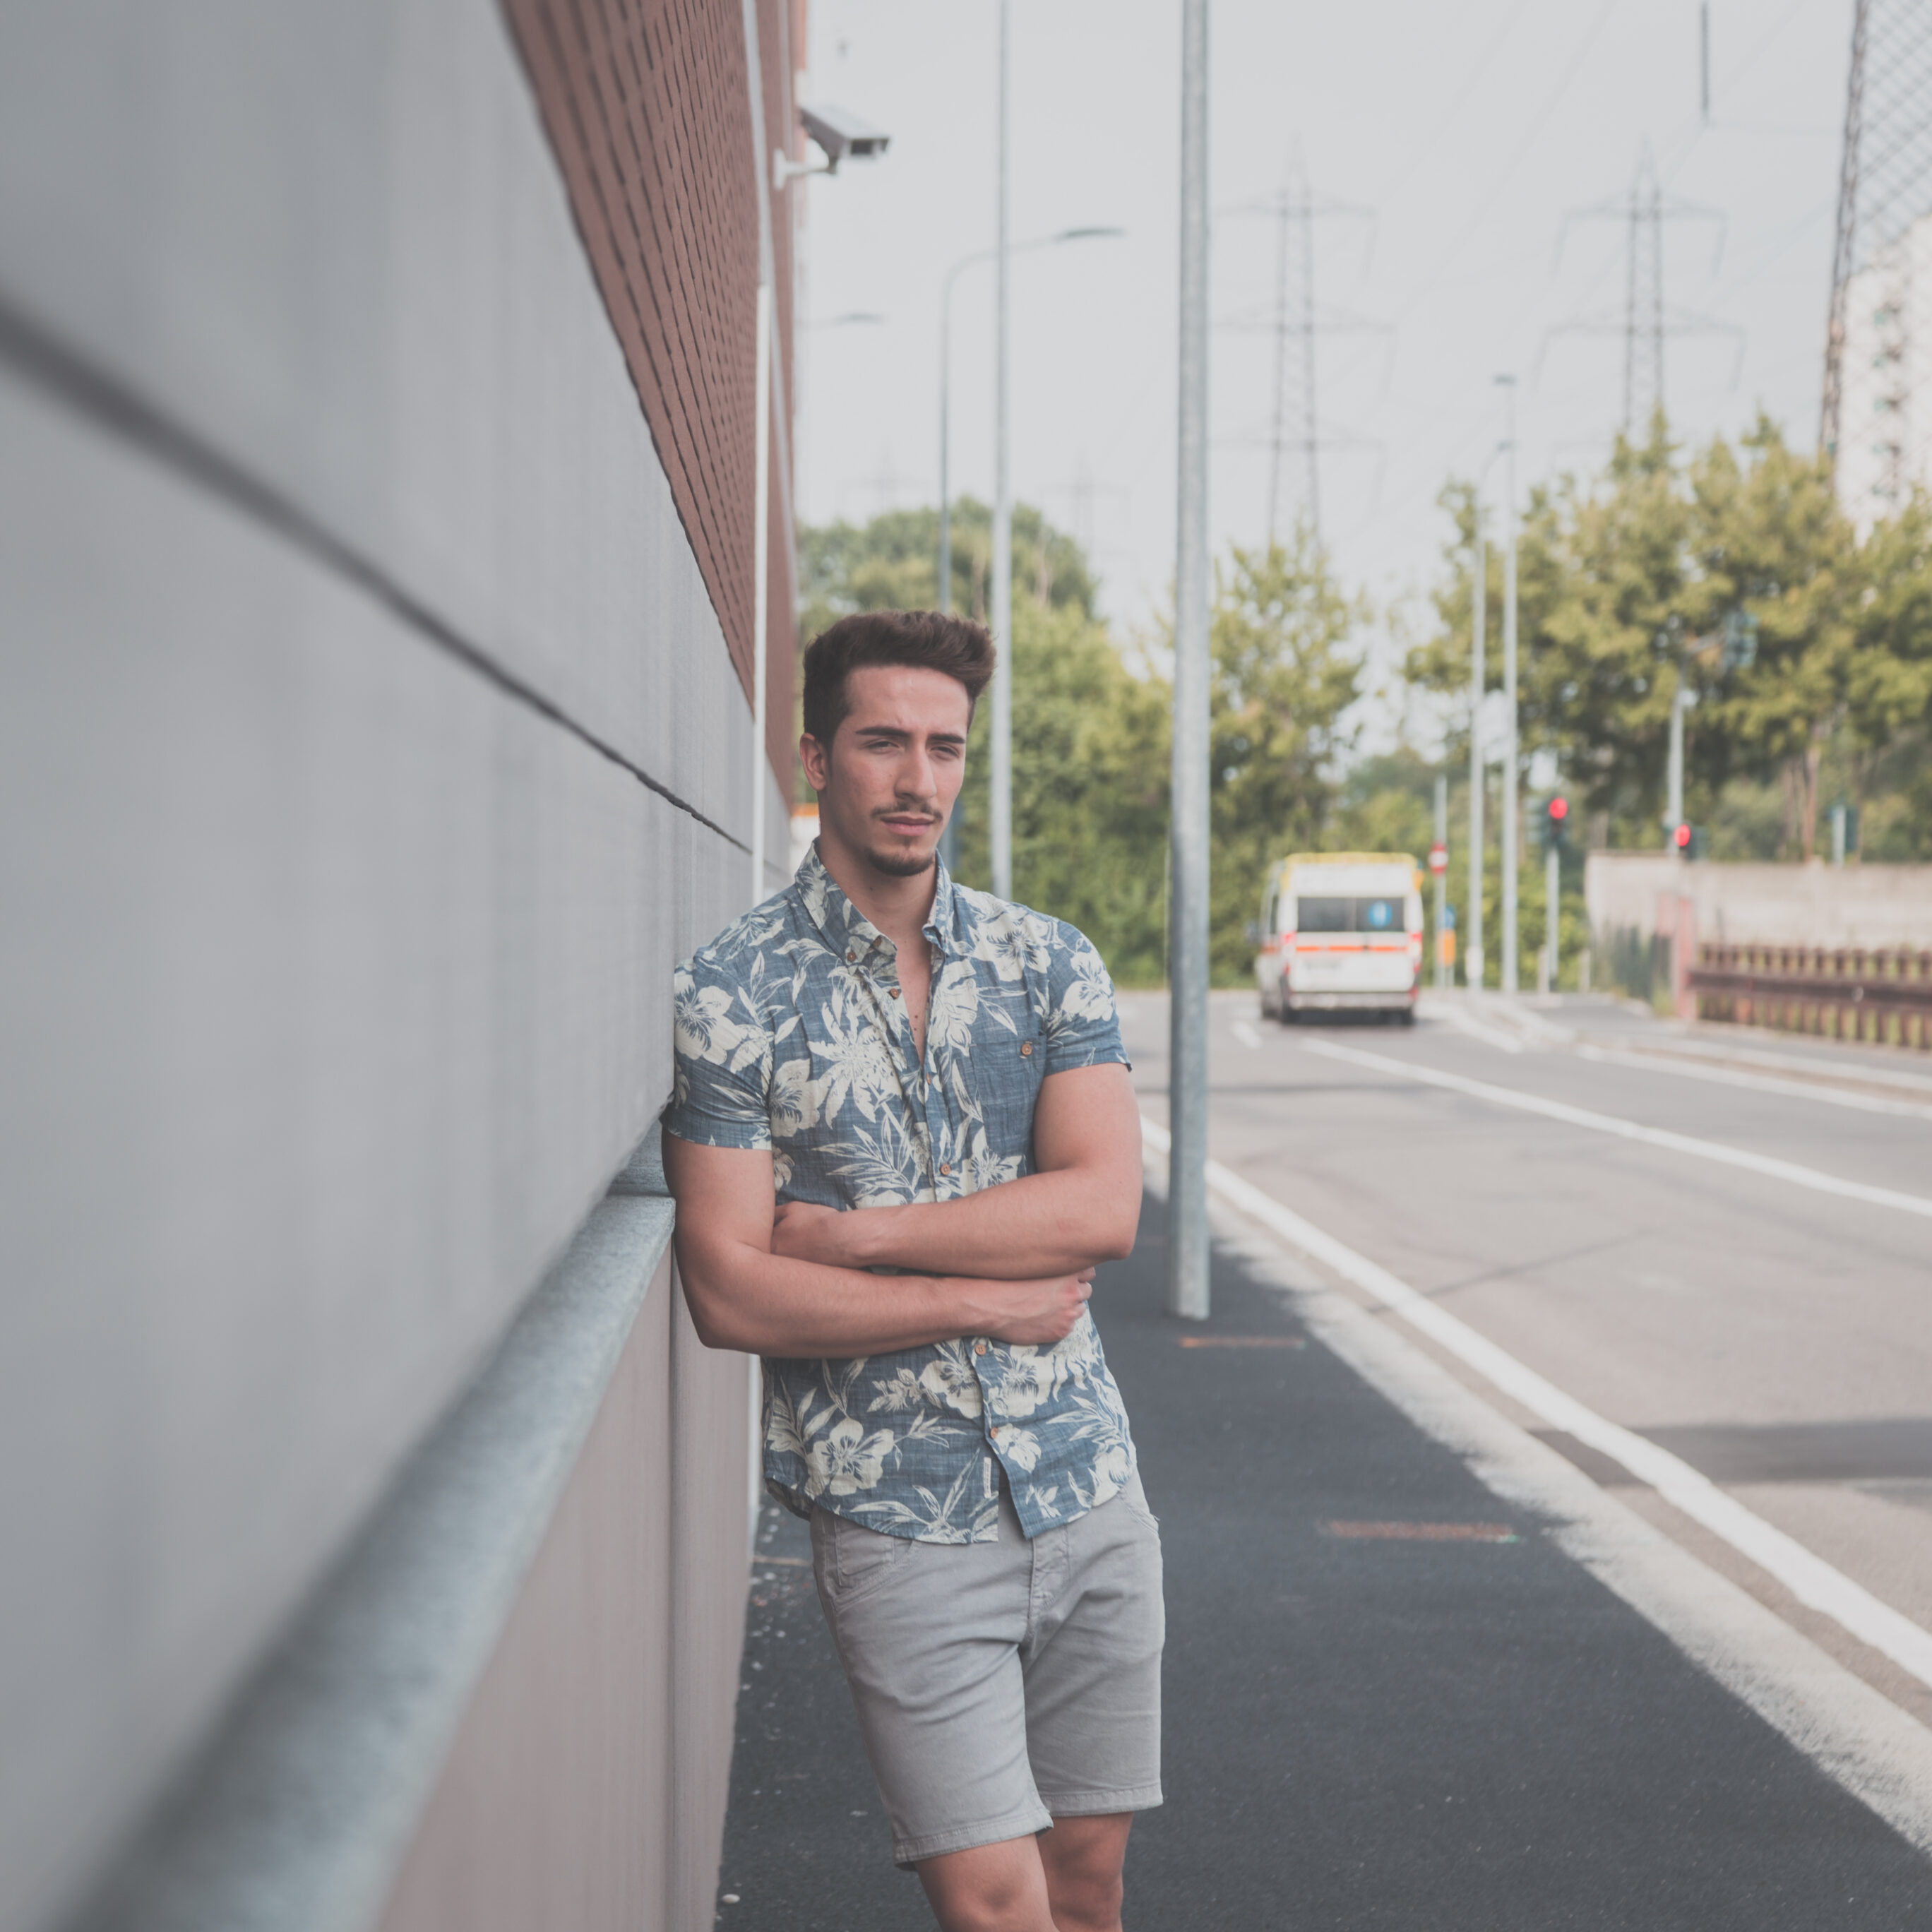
<point x="377" y="387"/>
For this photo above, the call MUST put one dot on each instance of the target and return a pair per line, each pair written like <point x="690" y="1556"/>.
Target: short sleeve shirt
<point x="791" y="1035"/>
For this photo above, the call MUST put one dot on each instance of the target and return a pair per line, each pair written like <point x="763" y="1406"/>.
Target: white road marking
<point x="1764" y="1083"/>
<point x="1244" y="1032"/>
<point x="1814" y="1582"/>
<point x="1468" y="1023"/>
<point x="1811" y="1177"/>
<point x="1874" y="1749"/>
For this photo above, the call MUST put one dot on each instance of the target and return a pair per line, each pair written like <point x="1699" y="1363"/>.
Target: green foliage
<point x="1624" y="583"/>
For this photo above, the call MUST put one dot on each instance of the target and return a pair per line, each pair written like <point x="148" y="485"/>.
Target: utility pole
<point x="1511" y="830"/>
<point x="1187" y="1250"/>
<point x="1472" y="950"/>
<point x="1001" y="814"/>
<point x="1442" y="878"/>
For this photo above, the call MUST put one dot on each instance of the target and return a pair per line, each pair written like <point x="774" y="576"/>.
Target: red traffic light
<point x="1680" y="837"/>
<point x="1559" y="809"/>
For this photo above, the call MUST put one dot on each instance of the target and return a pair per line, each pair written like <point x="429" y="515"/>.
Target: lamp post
<point x="1472" y="955"/>
<point x="949" y="844"/>
<point x="1187" y="1233"/>
<point x="952" y="275"/>
<point x="1511" y="831"/>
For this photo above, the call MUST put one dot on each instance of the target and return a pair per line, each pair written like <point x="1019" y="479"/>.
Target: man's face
<point x="896" y="761"/>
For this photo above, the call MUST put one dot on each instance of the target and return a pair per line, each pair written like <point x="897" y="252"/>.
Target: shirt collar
<point x="847" y="930"/>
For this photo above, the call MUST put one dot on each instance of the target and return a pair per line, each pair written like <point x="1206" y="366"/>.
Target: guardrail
<point x="1850" y="993"/>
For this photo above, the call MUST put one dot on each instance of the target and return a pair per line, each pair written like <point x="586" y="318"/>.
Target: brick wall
<point x="647" y="105"/>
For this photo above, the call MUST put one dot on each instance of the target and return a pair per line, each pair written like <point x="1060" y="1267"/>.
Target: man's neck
<point x="899" y="906"/>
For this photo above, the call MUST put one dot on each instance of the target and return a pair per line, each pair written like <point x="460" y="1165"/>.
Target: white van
<point x="1340" y="931"/>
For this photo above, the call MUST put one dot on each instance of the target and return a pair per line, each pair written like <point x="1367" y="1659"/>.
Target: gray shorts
<point x="1001" y="1685"/>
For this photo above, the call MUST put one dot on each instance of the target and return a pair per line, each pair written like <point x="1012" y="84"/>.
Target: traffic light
<point x="1556" y="823"/>
<point x="1680" y="838"/>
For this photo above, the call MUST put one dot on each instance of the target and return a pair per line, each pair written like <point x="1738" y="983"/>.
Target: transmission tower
<point x="1295" y="320"/>
<point x="1645" y="320"/>
<point x="1875" y="425"/>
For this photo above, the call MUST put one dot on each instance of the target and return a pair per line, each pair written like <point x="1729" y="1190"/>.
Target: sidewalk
<point x="1362" y="1730"/>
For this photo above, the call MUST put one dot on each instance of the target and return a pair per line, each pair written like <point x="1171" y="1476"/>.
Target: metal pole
<point x="1001" y="815"/>
<point x="1442" y="877"/>
<point x="1472" y="951"/>
<point x="761" y="583"/>
<point x="1673" y="810"/>
<point x="945" y="598"/>
<point x="1187" y="940"/>
<point x="1552" y="888"/>
<point x="1510" y="829"/>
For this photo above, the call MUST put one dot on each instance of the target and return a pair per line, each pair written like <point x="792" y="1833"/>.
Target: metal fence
<point x="1850" y="993"/>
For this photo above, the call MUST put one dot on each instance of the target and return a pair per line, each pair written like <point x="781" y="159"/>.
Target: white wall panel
<point x="331" y="241"/>
<point x="332" y="992"/>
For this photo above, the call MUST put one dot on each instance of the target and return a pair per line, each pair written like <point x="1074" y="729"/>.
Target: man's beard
<point x="904" y="865"/>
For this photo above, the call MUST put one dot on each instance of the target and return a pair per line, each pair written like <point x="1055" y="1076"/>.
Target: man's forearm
<point x="1040" y="1224"/>
<point x="767" y="1304"/>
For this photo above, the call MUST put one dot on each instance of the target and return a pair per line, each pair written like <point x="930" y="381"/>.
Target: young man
<point x="902" y="1137"/>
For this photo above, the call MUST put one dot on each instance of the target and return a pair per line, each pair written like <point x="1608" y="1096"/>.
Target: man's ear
<point x="812" y="755"/>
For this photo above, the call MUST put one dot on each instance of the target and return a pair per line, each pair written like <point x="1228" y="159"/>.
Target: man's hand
<point x="1041" y="1313"/>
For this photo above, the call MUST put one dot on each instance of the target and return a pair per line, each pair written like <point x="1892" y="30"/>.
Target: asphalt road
<point x="1776" y="1338"/>
<point x="1464" y="1728"/>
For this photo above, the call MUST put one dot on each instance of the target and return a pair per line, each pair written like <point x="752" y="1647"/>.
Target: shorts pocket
<point x="854" y="1562"/>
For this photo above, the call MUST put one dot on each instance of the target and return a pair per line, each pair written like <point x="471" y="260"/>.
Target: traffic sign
<point x="1438" y="858"/>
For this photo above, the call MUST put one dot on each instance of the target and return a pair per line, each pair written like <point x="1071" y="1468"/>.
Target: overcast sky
<point x="1469" y="130"/>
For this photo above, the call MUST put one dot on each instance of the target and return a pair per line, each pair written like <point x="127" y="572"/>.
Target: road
<point x="1773" y="1334"/>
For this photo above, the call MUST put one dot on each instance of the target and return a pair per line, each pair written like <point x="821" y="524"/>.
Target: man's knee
<point x="1082" y="1858"/>
<point x="992" y="1888"/>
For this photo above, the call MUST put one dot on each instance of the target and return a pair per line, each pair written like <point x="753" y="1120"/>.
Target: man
<point x="902" y="1137"/>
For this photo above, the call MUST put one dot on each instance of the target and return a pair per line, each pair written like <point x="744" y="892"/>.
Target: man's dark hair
<point x="930" y="639"/>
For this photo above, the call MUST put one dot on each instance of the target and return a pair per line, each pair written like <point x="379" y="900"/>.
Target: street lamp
<point x="1510" y="829"/>
<point x="952" y="275"/>
<point x="1002" y="776"/>
<point x="1472" y="956"/>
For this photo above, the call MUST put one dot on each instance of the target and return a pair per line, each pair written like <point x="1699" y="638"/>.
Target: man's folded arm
<point x="1080" y="1207"/>
<point x="742" y="1295"/>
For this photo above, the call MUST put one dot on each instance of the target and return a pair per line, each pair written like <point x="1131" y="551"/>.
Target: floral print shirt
<point x="791" y="1035"/>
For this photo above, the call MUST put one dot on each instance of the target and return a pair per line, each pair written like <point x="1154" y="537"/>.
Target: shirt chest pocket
<point x="1006" y="1069"/>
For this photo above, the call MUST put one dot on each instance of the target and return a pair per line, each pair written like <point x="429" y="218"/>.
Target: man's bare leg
<point x="999" y="1887"/>
<point x="1082" y="1858"/>
<point x="1067" y="1880"/>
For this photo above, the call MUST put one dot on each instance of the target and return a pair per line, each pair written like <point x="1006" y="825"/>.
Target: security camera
<point x="840" y="134"/>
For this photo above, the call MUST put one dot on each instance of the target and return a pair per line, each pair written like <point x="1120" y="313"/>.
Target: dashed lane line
<point x="1818" y="1585"/>
<point x="1790" y="1171"/>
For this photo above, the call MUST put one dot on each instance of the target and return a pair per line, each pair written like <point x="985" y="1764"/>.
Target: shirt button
<point x="946" y="1167"/>
<point x="894" y="990"/>
<point x="979" y="1348"/>
<point x="850" y="957"/>
<point x="1026" y="1048"/>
